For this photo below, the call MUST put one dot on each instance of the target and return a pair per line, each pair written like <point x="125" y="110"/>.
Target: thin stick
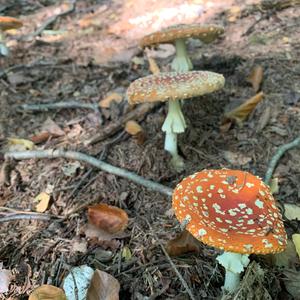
<point x="53" y="20"/>
<point x="280" y="152"/>
<point x="183" y="282"/>
<point x="27" y="216"/>
<point x="57" y="105"/>
<point x="20" y="155"/>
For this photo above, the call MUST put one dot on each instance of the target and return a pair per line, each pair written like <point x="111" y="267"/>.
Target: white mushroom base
<point x="234" y="264"/>
<point x="174" y="124"/>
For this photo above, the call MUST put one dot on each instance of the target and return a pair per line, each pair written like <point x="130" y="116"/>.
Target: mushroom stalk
<point x="234" y="264"/>
<point x="181" y="62"/>
<point x="173" y="125"/>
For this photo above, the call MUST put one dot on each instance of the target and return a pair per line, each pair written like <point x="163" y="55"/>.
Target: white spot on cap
<point x="249" y="211"/>
<point x="202" y="232"/>
<point x="216" y="206"/>
<point x="199" y="189"/>
<point x="259" y="203"/>
<point x="220" y="191"/>
<point x="209" y="195"/>
<point x="262" y="193"/>
<point x="228" y="221"/>
<point x="212" y="187"/>
<point x="232" y="212"/>
<point x="219" y="220"/>
<point x="242" y="205"/>
<point x="224" y="229"/>
<point x="250" y="222"/>
<point x="249" y="185"/>
<point x="248" y="246"/>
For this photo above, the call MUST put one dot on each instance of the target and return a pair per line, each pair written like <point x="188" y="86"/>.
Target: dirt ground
<point x="92" y="51"/>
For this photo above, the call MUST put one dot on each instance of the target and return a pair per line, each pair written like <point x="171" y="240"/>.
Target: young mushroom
<point x="171" y="87"/>
<point x="231" y="210"/>
<point x="179" y="34"/>
<point x="7" y="23"/>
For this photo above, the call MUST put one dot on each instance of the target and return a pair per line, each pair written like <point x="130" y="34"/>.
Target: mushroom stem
<point x="173" y="125"/>
<point x="234" y="264"/>
<point x="181" y="62"/>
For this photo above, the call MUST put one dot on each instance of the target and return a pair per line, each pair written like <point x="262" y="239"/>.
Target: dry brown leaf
<point x="236" y="158"/>
<point x="292" y="211"/>
<point x="40" y="137"/>
<point x="47" y="292"/>
<point x="50" y="126"/>
<point x="15" y="144"/>
<point x="133" y="128"/>
<point x="108" y="218"/>
<point x="183" y="243"/>
<point x="105" y="103"/>
<point x="240" y="114"/>
<point x="103" y="286"/>
<point x="256" y="77"/>
<point x="136" y="130"/>
<point x="43" y="200"/>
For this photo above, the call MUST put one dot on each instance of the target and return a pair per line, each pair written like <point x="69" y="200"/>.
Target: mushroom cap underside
<point x="206" y="33"/>
<point x="7" y="23"/>
<point x="231" y="210"/>
<point x="173" y="85"/>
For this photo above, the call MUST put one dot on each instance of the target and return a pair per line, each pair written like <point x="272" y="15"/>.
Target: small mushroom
<point x="231" y="210"/>
<point x="179" y="34"/>
<point x="171" y="87"/>
<point x="7" y="23"/>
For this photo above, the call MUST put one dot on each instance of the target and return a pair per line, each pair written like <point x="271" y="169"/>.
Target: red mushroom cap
<point x="204" y="32"/>
<point x="232" y="210"/>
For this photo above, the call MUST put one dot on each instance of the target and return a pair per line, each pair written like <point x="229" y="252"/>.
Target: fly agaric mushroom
<point x="7" y="23"/>
<point x="171" y="87"/>
<point x="179" y="34"/>
<point x="231" y="210"/>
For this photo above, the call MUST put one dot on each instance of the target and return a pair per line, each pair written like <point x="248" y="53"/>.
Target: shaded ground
<point x="87" y="54"/>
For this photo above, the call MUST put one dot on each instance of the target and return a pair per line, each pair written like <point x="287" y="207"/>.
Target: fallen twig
<point x="51" y="20"/>
<point x="20" y="155"/>
<point x="26" y="216"/>
<point x="280" y="151"/>
<point x="57" y="105"/>
<point x="138" y="114"/>
<point x="183" y="282"/>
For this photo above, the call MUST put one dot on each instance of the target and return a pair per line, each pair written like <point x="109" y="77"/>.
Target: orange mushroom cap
<point x="232" y="210"/>
<point x="172" y="86"/>
<point x="205" y="33"/>
<point x="7" y="23"/>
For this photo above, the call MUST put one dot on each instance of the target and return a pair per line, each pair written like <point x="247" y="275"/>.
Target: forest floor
<point x="91" y="52"/>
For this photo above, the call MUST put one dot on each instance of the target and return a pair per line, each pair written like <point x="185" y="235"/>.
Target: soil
<point x="92" y="51"/>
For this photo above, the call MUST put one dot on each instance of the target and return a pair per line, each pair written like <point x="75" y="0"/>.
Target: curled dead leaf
<point x="239" y="114"/>
<point x="47" y="292"/>
<point x="136" y="130"/>
<point x="108" y="218"/>
<point x="105" y="103"/>
<point x="15" y="144"/>
<point x="103" y="286"/>
<point x="285" y="259"/>
<point x="5" y="279"/>
<point x="256" y="77"/>
<point x="43" y="200"/>
<point x="183" y="243"/>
